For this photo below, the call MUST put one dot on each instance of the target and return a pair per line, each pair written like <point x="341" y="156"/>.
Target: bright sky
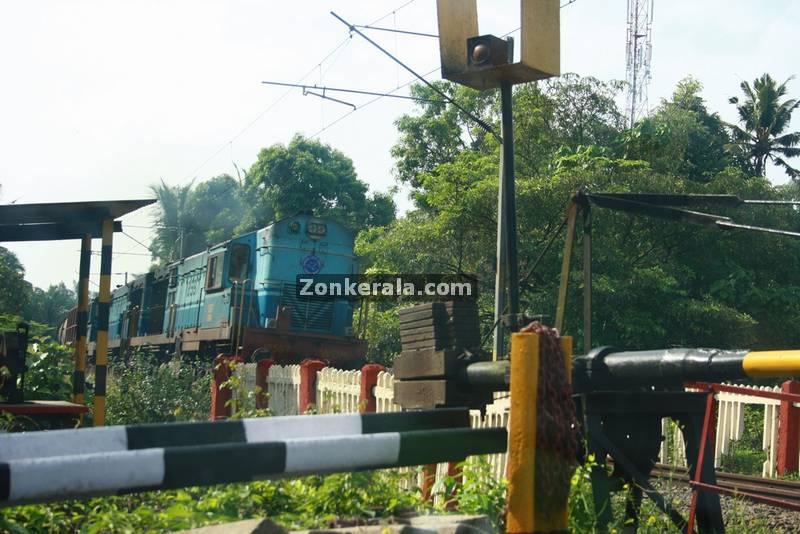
<point x="101" y="98"/>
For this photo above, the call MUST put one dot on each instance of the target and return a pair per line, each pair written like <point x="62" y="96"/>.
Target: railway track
<point x="785" y="490"/>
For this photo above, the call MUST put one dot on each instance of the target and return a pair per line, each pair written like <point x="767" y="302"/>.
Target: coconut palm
<point x="765" y="119"/>
<point x="171" y="224"/>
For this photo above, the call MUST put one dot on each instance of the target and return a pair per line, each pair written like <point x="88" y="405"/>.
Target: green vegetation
<point x="746" y="455"/>
<point x="655" y="284"/>
<point x="144" y="390"/>
<point x="50" y="365"/>
<point x="300" y="503"/>
<point x="305" y="175"/>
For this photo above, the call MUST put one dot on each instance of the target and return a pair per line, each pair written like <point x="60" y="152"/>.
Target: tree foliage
<point x="309" y="176"/>
<point x="303" y="176"/>
<point x="50" y="306"/>
<point x="765" y="119"/>
<point x="190" y="217"/>
<point x="14" y="290"/>
<point x="655" y="284"/>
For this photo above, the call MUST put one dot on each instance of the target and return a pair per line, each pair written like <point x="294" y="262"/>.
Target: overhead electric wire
<point x="354" y="91"/>
<point x="480" y="122"/>
<point x="344" y="116"/>
<point x="362" y="106"/>
<point x="284" y="95"/>
<point x="135" y="240"/>
<point x="405" y="32"/>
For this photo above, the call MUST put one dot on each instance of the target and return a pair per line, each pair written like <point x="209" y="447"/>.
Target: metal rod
<point x="701" y="457"/>
<point x="354" y="91"/>
<point x="572" y="215"/>
<point x="728" y="225"/>
<point x="498" y="350"/>
<point x="480" y="122"/>
<point x="639" y="478"/>
<point x="510" y="206"/>
<point x="377" y="28"/>
<point x="325" y="97"/>
<point x="587" y="279"/>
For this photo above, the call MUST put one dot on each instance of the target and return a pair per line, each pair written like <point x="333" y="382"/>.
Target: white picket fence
<point x="730" y="427"/>
<point x="338" y="391"/>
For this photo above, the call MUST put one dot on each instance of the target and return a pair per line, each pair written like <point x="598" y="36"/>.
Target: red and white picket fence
<point x="313" y="387"/>
<point x="780" y="429"/>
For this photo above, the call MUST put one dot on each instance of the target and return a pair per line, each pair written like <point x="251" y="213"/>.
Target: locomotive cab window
<point x="239" y="267"/>
<point x="214" y="272"/>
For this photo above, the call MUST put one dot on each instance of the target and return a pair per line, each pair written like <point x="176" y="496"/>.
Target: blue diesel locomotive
<point x="240" y="296"/>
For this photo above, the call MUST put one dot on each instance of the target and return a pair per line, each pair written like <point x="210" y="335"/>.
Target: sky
<point x="100" y="99"/>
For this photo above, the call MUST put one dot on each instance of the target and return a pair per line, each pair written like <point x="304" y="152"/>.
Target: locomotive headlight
<point x="294" y="227"/>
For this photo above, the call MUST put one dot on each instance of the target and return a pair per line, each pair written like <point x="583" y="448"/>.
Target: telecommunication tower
<point x="639" y="48"/>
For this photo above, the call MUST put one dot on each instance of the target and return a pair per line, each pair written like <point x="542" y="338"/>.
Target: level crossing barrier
<point x="44" y="466"/>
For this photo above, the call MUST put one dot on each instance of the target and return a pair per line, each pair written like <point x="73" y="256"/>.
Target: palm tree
<point x="765" y="119"/>
<point x="171" y="224"/>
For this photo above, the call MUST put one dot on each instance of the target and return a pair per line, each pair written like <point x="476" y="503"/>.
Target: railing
<point x="341" y="391"/>
<point x="730" y="418"/>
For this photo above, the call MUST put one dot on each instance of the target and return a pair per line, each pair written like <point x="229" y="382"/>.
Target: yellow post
<point x="82" y="321"/>
<point x="103" y="309"/>
<point x="522" y="517"/>
<point x="522" y="432"/>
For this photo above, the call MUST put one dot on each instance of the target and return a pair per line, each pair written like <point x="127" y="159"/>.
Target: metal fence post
<point x="789" y="431"/>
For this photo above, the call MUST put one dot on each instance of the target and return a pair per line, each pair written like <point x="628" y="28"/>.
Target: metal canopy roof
<point x="62" y="220"/>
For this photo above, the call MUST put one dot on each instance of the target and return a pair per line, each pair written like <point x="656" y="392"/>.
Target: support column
<point x="369" y="379"/>
<point x="82" y="322"/>
<point x="308" y="383"/>
<point x="510" y="202"/>
<point x="103" y="309"/>
<point x="789" y="431"/>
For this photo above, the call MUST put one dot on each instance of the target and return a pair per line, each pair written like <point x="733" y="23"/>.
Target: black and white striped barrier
<point x="31" y="479"/>
<point x="17" y="446"/>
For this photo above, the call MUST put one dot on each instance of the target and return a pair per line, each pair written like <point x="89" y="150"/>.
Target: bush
<point x="50" y="365"/>
<point x="143" y="390"/>
<point x="302" y="503"/>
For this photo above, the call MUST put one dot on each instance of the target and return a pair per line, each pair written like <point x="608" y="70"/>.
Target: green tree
<point x="50" y="306"/>
<point x="765" y="118"/>
<point x="680" y="137"/>
<point x="655" y="284"/>
<point x="440" y="131"/>
<point x="15" y="292"/>
<point x="307" y="175"/>
<point x="171" y="222"/>
<point x="192" y="217"/>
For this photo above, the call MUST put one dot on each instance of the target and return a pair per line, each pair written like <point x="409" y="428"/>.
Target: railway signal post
<point x="487" y="62"/>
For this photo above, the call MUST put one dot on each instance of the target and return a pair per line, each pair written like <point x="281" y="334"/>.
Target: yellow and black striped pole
<point x="82" y="321"/>
<point x="103" y="309"/>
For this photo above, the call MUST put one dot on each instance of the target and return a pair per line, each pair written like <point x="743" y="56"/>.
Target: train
<point x="240" y="297"/>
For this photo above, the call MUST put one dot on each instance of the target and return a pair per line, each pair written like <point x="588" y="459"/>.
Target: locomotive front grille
<point x="312" y="313"/>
